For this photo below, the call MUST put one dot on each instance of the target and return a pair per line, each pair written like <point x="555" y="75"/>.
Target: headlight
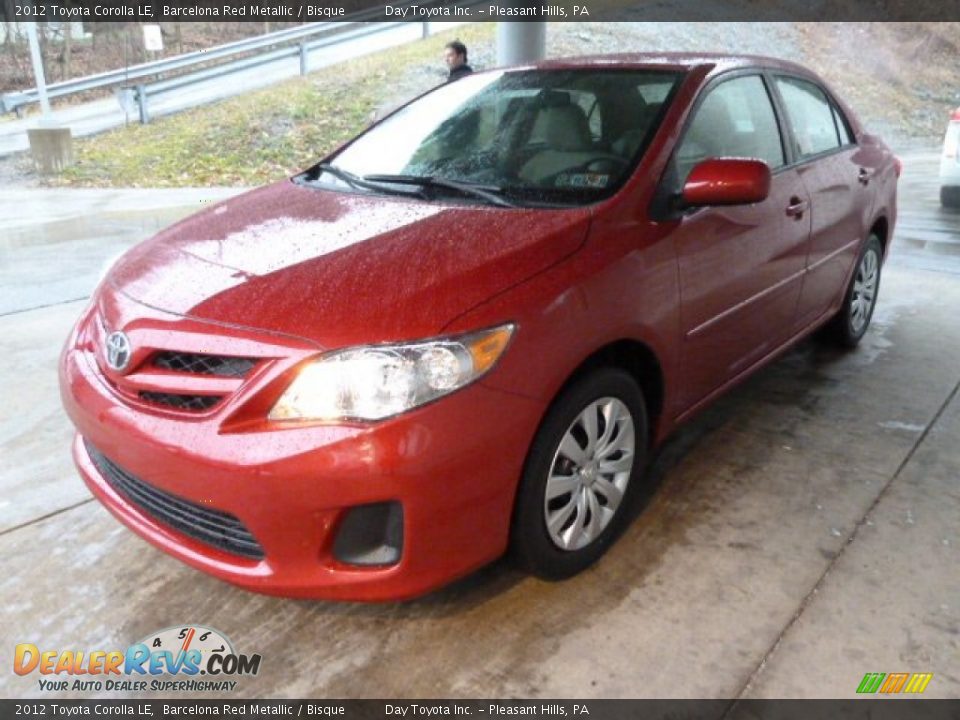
<point x="371" y="383"/>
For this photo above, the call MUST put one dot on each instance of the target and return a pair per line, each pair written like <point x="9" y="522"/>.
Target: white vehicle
<point x="950" y="164"/>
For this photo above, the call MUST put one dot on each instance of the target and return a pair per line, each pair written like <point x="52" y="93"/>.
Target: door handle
<point x="863" y="177"/>
<point x="797" y="208"/>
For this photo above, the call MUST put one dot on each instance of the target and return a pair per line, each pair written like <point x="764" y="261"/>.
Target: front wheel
<point x="585" y="459"/>
<point x="850" y="324"/>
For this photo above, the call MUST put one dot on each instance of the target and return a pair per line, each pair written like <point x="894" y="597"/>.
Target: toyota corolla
<point x="465" y="330"/>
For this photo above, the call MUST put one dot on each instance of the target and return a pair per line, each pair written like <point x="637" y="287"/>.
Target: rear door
<point x="837" y="180"/>
<point x="740" y="267"/>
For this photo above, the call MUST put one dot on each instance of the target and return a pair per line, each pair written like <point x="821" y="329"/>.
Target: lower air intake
<point x="213" y="527"/>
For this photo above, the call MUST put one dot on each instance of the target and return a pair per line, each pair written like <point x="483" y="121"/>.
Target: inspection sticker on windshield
<point x="583" y="180"/>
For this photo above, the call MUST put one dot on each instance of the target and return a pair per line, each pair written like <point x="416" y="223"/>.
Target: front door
<point x="741" y="267"/>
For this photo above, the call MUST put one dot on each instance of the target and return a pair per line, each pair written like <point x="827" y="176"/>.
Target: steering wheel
<point x="608" y="163"/>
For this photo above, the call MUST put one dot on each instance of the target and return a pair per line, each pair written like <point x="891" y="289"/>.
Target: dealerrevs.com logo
<point x="185" y="658"/>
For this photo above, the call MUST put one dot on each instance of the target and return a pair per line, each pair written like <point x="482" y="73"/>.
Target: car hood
<point x="341" y="268"/>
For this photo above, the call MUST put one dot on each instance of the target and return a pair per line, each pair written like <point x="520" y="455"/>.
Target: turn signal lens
<point x="487" y="348"/>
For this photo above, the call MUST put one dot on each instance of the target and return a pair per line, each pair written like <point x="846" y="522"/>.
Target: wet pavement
<point x="54" y="244"/>
<point x="801" y="532"/>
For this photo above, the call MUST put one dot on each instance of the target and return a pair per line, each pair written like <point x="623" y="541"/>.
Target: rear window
<point x="812" y="118"/>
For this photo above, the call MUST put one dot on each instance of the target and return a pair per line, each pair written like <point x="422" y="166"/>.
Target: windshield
<point x="551" y="136"/>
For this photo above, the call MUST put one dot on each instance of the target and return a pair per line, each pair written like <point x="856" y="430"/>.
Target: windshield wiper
<point x="348" y="177"/>
<point x="490" y="193"/>
<point x="358" y="182"/>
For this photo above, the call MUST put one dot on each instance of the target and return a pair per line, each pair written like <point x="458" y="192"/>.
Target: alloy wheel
<point x="864" y="290"/>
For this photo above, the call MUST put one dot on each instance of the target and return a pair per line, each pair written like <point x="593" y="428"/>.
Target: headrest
<point x="554" y="98"/>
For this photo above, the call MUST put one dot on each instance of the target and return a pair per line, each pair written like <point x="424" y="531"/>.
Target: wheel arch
<point x="881" y="228"/>
<point x="639" y="360"/>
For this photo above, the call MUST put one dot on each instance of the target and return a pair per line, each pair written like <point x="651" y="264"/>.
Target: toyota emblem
<point x="117" y="351"/>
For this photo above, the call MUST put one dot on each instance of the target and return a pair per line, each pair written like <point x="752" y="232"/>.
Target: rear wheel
<point x="851" y="323"/>
<point x="585" y="459"/>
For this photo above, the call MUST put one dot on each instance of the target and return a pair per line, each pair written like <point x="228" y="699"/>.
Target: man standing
<point x="455" y="55"/>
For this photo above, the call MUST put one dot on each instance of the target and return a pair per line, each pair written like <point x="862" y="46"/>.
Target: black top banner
<point x="886" y="709"/>
<point x="476" y="11"/>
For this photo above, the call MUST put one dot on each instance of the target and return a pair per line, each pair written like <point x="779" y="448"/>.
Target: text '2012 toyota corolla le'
<point x="465" y="330"/>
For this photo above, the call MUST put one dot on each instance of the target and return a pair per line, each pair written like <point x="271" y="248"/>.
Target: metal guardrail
<point x="12" y="101"/>
<point x="15" y="101"/>
<point x="141" y="93"/>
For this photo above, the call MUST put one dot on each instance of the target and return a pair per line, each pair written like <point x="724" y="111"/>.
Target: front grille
<point x="192" y="403"/>
<point x="213" y="527"/>
<point x="219" y="365"/>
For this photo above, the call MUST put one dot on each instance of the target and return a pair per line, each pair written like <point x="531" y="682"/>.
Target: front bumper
<point x="453" y="466"/>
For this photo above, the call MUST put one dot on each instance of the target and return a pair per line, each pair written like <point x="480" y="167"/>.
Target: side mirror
<point x="727" y="181"/>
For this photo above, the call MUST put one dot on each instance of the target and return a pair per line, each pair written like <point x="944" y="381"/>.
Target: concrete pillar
<point x="52" y="149"/>
<point x="521" y="42"/>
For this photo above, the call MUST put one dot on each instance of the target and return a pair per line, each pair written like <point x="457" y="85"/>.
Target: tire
<point x="852" y="321"/>
<point x="950" y="196"/>
<point x="605" y="393"/>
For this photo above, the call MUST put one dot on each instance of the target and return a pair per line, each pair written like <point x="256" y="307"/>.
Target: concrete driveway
<point x="803" y="531"/>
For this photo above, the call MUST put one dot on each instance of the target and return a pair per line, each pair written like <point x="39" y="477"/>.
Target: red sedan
<point x="465" y="330"/>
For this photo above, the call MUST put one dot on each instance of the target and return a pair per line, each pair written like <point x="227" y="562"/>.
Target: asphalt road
<point x="799" y="533"/>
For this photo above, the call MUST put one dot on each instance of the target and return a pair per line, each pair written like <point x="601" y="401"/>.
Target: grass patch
<point x="266" y="134"/>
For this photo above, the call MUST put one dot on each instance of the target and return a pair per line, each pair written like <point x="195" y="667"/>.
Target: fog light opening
<point x="370" y="535"/>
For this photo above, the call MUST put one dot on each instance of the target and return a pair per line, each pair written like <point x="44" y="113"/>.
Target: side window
<point x="842" y="128"/>
<point x="735" y="119"/>
<point x="812" y="116"/>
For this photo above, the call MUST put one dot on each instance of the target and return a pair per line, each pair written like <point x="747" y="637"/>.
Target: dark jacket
<point x="461" y="71"/>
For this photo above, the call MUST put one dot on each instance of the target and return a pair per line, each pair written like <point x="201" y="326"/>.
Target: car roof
<point x="716" y="62"/>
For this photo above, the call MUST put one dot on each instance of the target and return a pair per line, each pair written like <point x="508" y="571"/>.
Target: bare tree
<point x="67" y="45"/>
<point x="6" y="12"/>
